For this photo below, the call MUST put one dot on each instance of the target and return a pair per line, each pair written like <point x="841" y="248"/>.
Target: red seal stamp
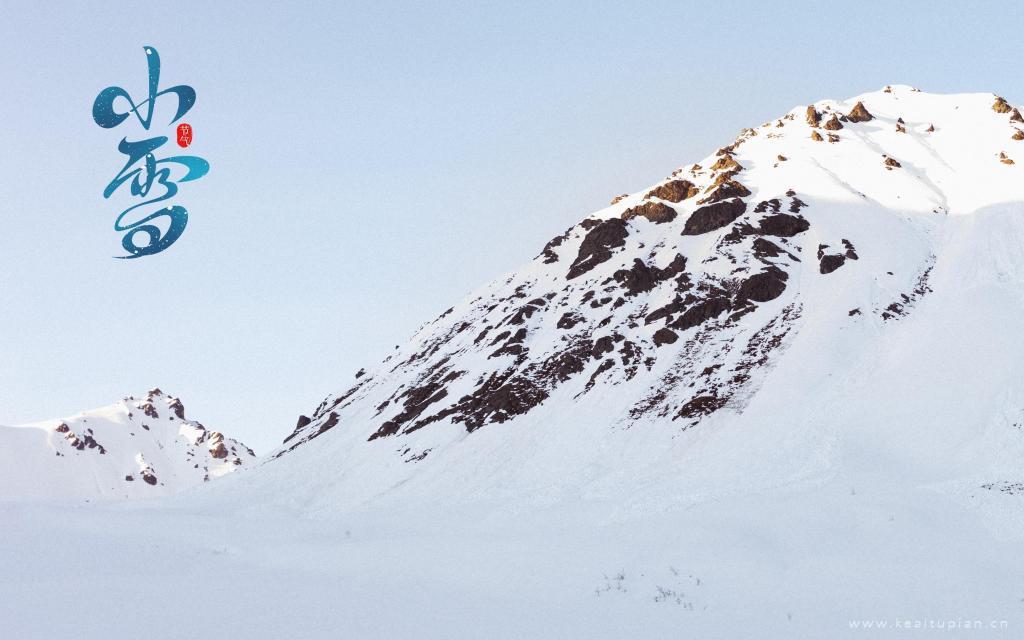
<point x="184" y="135"/>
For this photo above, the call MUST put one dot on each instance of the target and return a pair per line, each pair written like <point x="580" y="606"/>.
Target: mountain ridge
<point x="136" y="448"/>
<point x="720" y="198"/>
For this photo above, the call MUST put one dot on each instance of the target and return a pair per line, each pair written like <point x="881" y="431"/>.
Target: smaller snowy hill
<point x="138" y="447"/>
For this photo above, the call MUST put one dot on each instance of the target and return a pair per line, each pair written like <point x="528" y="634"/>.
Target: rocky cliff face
<point x="139" y="447"/>
<point x="676" y="303"/>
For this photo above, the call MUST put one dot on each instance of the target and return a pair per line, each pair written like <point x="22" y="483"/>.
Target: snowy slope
<point x="138" y="447"/>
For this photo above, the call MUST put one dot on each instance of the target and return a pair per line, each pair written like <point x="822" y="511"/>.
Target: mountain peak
<point x="672" y="307"/>
<point x="138" y="447"/>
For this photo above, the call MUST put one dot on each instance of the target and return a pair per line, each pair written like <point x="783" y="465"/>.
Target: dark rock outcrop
<point x="597" y="245"/>
<point x="641" y="278"/>
<point x="665" y="336"/>
<point x="762" y="287"/>
<point x="177" y="408"/>
<point x="783" y="225"/>
<point x="713" y="216"/>
<point x="701" y="406"/>
<point x="829" y="263"/>
<point x="702" y="312"/>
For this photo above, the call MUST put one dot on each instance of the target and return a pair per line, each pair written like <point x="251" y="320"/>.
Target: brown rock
<point x="816" y="136"/>
<point x="63" y="428"/>
<point x="900" y="128"/>
<point x="781" y="158"/>
<point x="833" y="137"/>
<point x="654" y="211"/>
<point x="674" y="191"/>
<point x="833" y="124"/>
<point x="892" y="163"/>
<point x="859" y="113"/>
<point x="1004" y="159"/>
<point x="1018" y="134"/>
<point x="726" y="163"/>
<point x="1001" y="105"/>
<point x="619" y="198"/>
<point x="220" y="451"/>
<point x="930" y="128"/>
<point x="813" y="117"/>
<point x="1015" y="116"/>
<point x="721" y="179"/>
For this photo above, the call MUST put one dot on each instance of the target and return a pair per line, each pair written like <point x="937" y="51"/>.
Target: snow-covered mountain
<point x="138" y="447"/>
<point x="777" y="394"/>
<point x="760" y="290"/>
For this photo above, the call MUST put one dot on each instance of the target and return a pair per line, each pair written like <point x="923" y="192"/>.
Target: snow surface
<point x="868" y="472"/>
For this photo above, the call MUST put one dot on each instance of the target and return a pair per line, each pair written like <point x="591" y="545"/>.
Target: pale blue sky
<point x="373" y="162"/>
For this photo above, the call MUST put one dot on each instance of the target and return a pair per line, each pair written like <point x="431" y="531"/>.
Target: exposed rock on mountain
<point x="812" y="116"/>
<point x="859" y="113"/>
<point x="673" y="191"/>
<point x="654" y="211"/>
<point x="833" y="123"/>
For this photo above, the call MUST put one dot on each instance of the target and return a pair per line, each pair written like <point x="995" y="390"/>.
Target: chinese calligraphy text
<point x="154" y="180"/>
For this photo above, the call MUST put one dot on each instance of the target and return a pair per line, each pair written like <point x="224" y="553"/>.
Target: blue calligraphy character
<point x="152" y="172"/>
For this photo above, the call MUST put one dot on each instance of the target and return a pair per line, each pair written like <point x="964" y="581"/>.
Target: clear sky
<point x="372" y="163"/>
